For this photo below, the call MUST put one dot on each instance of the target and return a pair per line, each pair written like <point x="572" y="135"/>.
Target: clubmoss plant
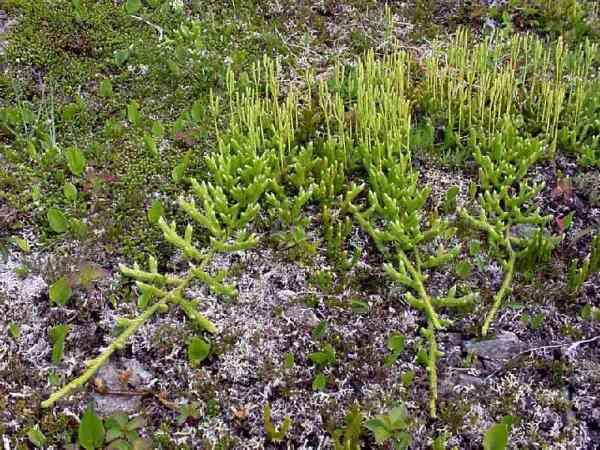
<point x="344" y="147"/>
<point x="225" y="225"/>
<point x="394" y="212"/>
<point x="578" y="275"/>
<point x="544" y="89"/>
<point x="507" y="203"/>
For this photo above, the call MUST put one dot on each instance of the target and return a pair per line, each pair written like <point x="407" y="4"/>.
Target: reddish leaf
<point x="560" y="223"/>
<point x="563" y="190"/>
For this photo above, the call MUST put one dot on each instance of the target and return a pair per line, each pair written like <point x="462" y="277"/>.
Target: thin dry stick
<point x="158" y="29"/>
<point x="572" y="347"/>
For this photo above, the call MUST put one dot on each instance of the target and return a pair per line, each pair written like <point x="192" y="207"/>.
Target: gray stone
<point x="503" y="347"/>
<point x="5" y="23"/>
<point x="456" y="381"/>
<point x="111" y="378"/>
<point x="302" y="316"/>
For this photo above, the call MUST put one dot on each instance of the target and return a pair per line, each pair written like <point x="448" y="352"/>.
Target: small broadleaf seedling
<point x="392" y="426"/>
<point x="275" y="434"/>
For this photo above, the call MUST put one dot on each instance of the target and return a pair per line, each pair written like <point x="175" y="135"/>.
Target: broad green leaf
<point x="450" y="199"/>
<point x="60" y="291"/>
<point x="75" y="160"/>
<point x="325" y="357"/>
<point x="174" y="68"/>
<point x="439" y="443"/>
<point x="319" y="382"/>
<point x="116" y="421"/>
<point x="150" y="144"/>
<point x="21" y="243"/>
<point x="359" y="307"/>
<point x="54" y="379"/>
<point x="403" y="440"/>
<point x="58" y="334"/>
<point x="155" y="212"/>
<point x="50" y="155"/>
<point x="509" y="421"/>
<point x="288" y="360"/>
<point x="178" y="172"/>
<point x="91" y="430"/>
<point x="398" y="415"/>
<point x="158" y="130"/>
<point x="78" y="9"/>
<point x="133" y="113"/>
<point x="31" y="150"/>
<point x="112" y="432"/>
<point x="69" y="111"/>
<point x="395" y="343"/>
<point x="379" y="430"/>
<point x="106" y="89"/>
<point x="120" y="56"/>
<point x="36" y="193"/>
<point x="198" y="350"/>
<point x="496" y="437"/>
<point x="407" y="378"/>
<point x="79" y="228"/>
<point x="390" y="359"/>
<point x="196" y="111"/>
<point x="188" y="411"/>
<point x="14" y="330"/>
<point x="320" y="330"/>
<point x="57" y="220"/>
<point x="144" y="300"/>
<point x="36" y="437"/>
<point x="89" y="272"/>
<point x="70" y="192"/>
<point x="133" y="6"/>
<point x="320" y="358"/>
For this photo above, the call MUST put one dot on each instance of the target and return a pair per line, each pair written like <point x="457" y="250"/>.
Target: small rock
<point x="126" y="375"/>
<point x="459" y="380"/>
<point x="503" y="347"/>
<point x="302" y="316"/>
<point x="524" y="230"/>
<point x="285" y="295"/>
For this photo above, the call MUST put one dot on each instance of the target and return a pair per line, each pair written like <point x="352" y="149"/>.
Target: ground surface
<point x="292" y="300"/>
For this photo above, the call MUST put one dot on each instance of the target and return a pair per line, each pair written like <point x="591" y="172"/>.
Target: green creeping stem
<point x="432" y="357"/>
<point x="95" y="364"/>
<point x="411" y="276"/>
<point x="420" y="288"/>
<point x="133" y="325"/>
<point x="509" y="267"/>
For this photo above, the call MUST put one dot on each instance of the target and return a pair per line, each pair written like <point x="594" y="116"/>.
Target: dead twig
<point x="158" y="29"/>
